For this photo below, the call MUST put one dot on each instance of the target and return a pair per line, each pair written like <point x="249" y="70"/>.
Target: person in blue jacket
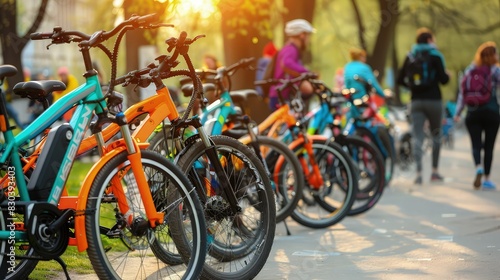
<point x="357" y="74"/>
<point x="360" y="80"/>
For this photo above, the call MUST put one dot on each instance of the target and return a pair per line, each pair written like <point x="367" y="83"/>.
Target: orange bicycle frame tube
<point x="157" y="107"/>
<point x="274" y="121"/>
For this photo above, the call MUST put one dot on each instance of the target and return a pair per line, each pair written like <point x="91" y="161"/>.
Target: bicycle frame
<point x="215" y="114"/>
<point x="157" y="110"/>
<point x="89" y="97"/>
<point x="353" y="125"/>
<point x="281" y="117"/>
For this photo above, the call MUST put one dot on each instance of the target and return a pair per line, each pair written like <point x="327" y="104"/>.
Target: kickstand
<point x="63" y="265"/>
<point x="288" y="233"/>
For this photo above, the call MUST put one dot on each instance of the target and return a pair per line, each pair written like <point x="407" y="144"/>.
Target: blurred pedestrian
<point x="210" y="62"/>
<point x="483" y="118"/>
<point x="288" y="61"/>
<point x="422" y="72"/>
<point x="68" y="79"/>
<point x="267" y="55"/>
<point x="71" y="83"/>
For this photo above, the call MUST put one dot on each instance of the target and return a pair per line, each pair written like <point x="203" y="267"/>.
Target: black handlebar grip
<point x="40" y="36"/>
<point x="147" y="19"/>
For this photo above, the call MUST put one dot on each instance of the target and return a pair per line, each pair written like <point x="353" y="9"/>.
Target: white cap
<point x="297" y="26"/>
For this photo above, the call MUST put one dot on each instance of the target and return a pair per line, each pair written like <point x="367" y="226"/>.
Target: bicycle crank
<point x="48" y="231"/>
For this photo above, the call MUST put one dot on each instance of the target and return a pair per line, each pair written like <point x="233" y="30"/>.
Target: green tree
<point x="12" y="43"/>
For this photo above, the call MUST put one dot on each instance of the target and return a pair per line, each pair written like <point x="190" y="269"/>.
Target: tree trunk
<point x="389" y="11"/>
<point x="395" y="70"/>
<point x="238" y="47"/>
<point x="299" y="9"/>
<point x="243" y="41"/>
<point x="12" y="43"/>
<point x="361" y="26"/>
<point x="134" y="39"/>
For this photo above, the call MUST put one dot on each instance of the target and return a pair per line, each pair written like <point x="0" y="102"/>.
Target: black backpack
<point x="419" y="72"/>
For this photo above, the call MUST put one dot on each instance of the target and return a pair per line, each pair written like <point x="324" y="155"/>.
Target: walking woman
<point x="483" y="119"/>
<point x="422" y="72"/>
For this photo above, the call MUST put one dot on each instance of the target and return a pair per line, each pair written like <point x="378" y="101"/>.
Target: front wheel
<point x="331" y="202"/>
<point x="4" y="265"/>
<point x="286" y="173"/>
<point x="370" y="165"/>
<point x="382" y="140"/>
<point x="239" y="242"/>
<point x="124" y="245"/>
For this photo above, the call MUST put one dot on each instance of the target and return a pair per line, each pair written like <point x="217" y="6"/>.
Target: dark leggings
<point x="477" y="122"/>
<point x="422" y="110"/>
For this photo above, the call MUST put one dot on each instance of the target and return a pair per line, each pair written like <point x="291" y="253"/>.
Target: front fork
<point x="134" y="156"/>
<point x="313" y="176"/>
<point x="211" y="151"/>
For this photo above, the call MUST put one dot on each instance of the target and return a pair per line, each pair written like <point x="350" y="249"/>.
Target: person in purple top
<point x="288" y="61"/>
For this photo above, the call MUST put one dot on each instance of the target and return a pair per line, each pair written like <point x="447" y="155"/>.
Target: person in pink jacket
<point x="288" y="62"/>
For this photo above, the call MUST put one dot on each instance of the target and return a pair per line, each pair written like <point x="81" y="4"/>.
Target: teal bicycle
<point x="129" y="203"/>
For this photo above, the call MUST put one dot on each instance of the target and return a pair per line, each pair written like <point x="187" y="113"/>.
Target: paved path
<point x="434" y="231"/>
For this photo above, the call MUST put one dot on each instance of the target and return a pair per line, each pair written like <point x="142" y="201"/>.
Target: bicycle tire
<point x="24" y="266"/>
<point x="385" y="145"/>
<point x="4" y="265"/>
<point x="164" y="178"/>
<point x="370" y="165"/>
<point x="157" y="144"/>
<point x="290" y="177"/>
<point x="242" y="258"/>
<point x="340" y="176"/>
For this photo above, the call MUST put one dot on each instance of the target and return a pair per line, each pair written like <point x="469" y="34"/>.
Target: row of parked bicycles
<point x="174" y="196"/>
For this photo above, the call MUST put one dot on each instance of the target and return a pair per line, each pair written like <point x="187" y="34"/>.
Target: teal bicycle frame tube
<point x="89" y="97"/>
<point x="214" y="116"/>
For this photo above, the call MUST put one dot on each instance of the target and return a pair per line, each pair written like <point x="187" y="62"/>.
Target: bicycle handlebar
<point x="163" y="70"/>
<point x="59" y="36"/>
<point x="303" y="77"/>
<point x="245" y="62"/>
<point x="286" y="82"/>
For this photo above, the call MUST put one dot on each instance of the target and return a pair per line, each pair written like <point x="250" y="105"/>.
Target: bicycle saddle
<point x="187" y="89"/>
<point x="241" y="96"/>
<point x="7" y="71"/>
<point x="38" y="89"/>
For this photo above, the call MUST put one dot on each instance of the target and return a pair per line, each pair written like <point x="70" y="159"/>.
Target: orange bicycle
<point x="131" y="203"/>
<point x="222" y="207"/>
<point x="331" y="177"/>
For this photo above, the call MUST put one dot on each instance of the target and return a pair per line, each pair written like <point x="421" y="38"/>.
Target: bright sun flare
<point x="205" y="8"/>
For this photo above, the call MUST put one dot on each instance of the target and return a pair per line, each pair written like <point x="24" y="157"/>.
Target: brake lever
<point x="196" y="38"/>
